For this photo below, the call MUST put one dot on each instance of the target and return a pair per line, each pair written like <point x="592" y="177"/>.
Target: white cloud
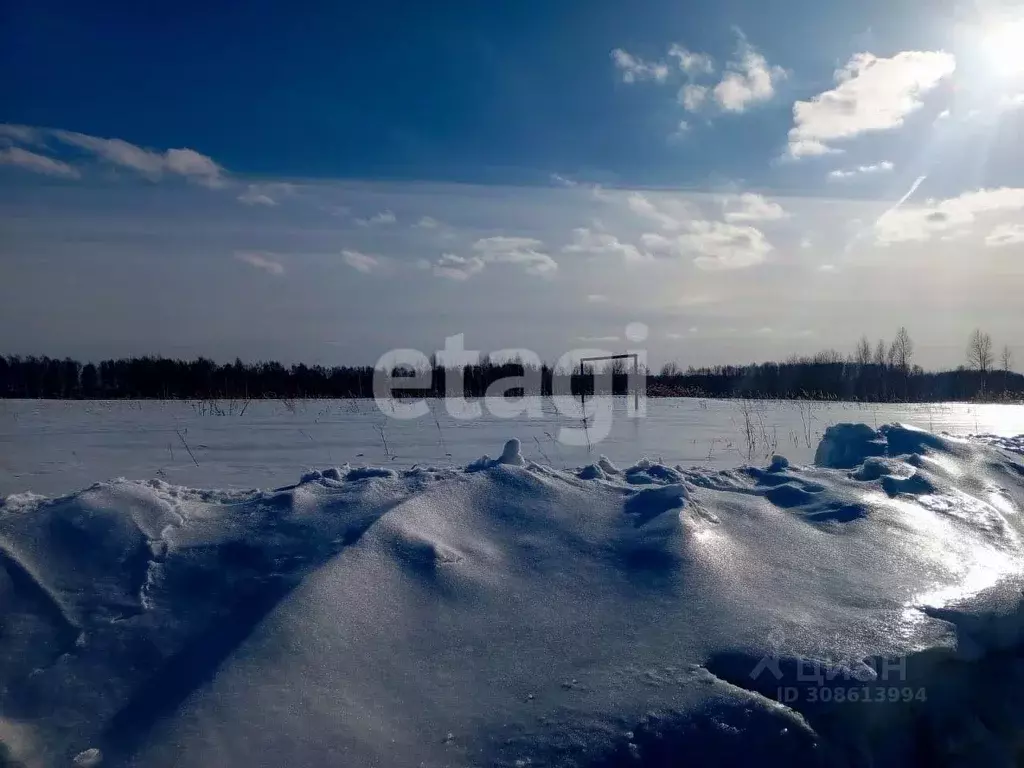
<point x="659" y="244"/>
<point x="456" y="267"/>
<point x="427" y="222"/>
<point x="948" y="219"/>
<point x="642" y="206"/>
<point x="187" y="163"/>
<point x="634" y="69"/>
<point x="871" y="94"/>
<point x="266" y="194"/>
<point x="715" y="245"/>
<point x="809" y="148"/>
<point x="260" y="261"/>
<point x="690" y="62"/>
<point x="249" y="197"/>
<point x="598" y="193"/>
<point x="1012" y="102"/>
<point x="192" y="165"/>
<point x="516" y="250"/>
<point x="30" y="161"/>
<point x="117" y="152"/>
<point x="23" y="134"/>
<point x="747" y="80"/>
<point x="588" y="241"/>
<point x="1005" y="234"/>
<point x="597" y="298"/>
<point x="861" y="170"/>
<point x="562" y="181"/>
<point x="361" y="262"/>
<point x="597" y="339"/>
<point x="726" y="246"/>
<point x="497" y="250"/>
<point x="752" y="207"/>
<point x="692" y="97"/>
<point x="382" y="218"/>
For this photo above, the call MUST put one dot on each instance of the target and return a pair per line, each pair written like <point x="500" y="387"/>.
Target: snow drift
<point x="863" y="611"/>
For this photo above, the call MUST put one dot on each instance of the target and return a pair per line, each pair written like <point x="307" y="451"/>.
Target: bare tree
<point x="1006" y="359"/>
<point x="862" y="355"/>
<point x="890" y="356"/>
<point x="902" y="350"/>
<point x="879" y="358"/>
<point x="979" y="351"/>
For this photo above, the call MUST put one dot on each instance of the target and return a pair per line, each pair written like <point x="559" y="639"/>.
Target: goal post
<point x="605" y="358"/>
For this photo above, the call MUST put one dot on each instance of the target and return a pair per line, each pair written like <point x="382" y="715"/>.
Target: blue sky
<point x="327" y="181"/>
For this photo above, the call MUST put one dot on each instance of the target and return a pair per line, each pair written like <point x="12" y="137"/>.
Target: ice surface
<point x="56" y="447"/>
<point x="526" y="615"/>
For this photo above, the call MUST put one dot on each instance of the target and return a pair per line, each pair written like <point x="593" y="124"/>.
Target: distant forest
<point x="879" y="373"/>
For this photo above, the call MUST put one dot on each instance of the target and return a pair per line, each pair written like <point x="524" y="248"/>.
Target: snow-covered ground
<point x="863" y="611"/>
<point x="55" y="447"/>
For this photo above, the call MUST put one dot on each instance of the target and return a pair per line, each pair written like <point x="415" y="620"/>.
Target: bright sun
<point x="1004" y="45"/>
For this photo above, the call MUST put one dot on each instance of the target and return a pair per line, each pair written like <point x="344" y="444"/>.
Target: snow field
<point x="56" y="447"/>
<point x="512" y="613"/>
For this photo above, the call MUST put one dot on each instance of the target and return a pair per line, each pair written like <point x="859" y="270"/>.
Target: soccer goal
<point x="633" y="378"/>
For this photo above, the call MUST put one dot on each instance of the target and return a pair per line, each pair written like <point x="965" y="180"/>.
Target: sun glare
<point x="1004" y="46"/>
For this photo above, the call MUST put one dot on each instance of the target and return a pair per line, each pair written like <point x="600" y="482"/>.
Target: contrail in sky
<point x="913" y="188"/>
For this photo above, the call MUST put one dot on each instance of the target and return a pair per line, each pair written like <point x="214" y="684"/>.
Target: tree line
<point x="881" y="372"/>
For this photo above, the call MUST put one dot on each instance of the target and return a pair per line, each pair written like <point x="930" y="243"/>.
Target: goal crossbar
<point x="609" y="357"/>
<point x="601" y="358"/>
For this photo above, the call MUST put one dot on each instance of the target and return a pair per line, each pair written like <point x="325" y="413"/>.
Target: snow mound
<point x="864" y="611"/>
<point x="1012" y="444"/>
<point x="511" y="456"/>
<point x="847" y="445"/>
<point x="591" y="472"/>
